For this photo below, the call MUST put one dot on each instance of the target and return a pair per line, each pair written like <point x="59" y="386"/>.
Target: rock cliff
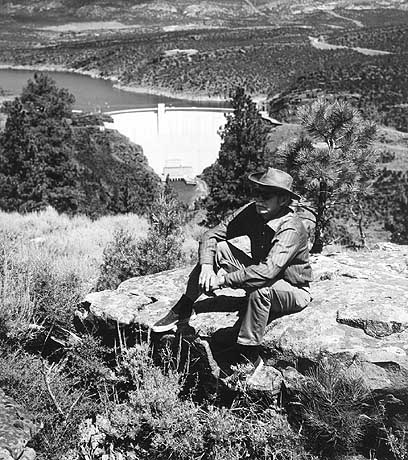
<point x="359" y="314"/>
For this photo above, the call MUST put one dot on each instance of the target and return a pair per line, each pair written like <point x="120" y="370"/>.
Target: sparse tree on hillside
<point x="338" y="167"/>
<point x="36" y="169"/>
<point x="242" y="152"/>
<point x="398" y="220"/>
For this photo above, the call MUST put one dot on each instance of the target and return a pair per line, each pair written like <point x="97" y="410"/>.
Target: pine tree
<point x="337" y="168"/>
<point x="36" y="169"/>
<point x="243" y="142"/>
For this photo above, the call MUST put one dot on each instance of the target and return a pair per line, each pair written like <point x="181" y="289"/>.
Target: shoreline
<point x="168" y="93"/>
<point x="116" y="84"/>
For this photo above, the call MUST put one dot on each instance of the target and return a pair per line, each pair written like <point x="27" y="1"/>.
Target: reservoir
<point x="95" y="94"/>
<point x="179" y="137"/>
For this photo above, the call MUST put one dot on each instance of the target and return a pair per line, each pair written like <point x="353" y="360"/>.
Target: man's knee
<point x="260" y="296"/>
<point x="279" y="301"/>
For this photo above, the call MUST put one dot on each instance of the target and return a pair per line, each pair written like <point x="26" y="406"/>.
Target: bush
<point x="397" y="442"/>
<point x="22" y="377"/>
<point x="36" y="295"/>
<point x="124" y="257"/>
<point x="120" y="260"/>
<point x="331" y="403"/>
<point x="157" y="423"/>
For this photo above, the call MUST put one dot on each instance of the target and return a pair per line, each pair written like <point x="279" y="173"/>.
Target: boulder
<point x="17" y="428"/>
<point x="359" y="314"/>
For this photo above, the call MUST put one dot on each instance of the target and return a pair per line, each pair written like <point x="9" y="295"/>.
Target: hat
<point x="274" y="178"/>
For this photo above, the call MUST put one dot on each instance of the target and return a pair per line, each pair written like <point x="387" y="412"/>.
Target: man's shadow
<point x="223" y="342"/>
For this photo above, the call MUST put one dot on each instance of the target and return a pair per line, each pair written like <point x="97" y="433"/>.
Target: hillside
<point x="112" y="175"/>
<point x="81" y="397"/>
<point x="115" y="174"/>
<point x="376" y="84"/>
<point x="165" y="13"/>
<point x="284" y="51"/>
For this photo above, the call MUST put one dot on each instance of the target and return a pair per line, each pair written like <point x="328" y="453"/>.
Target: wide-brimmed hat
<point x="275" y="179"/>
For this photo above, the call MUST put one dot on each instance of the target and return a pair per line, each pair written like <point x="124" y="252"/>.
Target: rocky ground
<point x="17" y="428"/>
<point x="358" y="318"/>
<point x="359" y="315"/>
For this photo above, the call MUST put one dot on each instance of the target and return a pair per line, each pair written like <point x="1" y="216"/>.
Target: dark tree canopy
<point x="36" y="168"/>
<point x="52" y="156"/>
<point x="242" y="152"/>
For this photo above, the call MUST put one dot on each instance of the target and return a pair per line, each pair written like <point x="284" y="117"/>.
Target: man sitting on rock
<point x="262" y="248"/>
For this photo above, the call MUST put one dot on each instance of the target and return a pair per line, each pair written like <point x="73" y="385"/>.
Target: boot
<point x="179" y="314"/>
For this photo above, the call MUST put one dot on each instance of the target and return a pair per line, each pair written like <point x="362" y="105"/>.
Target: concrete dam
<point x="179" y="141"/>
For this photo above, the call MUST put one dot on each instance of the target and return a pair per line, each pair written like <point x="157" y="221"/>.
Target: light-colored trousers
<point x="263" y="305"/>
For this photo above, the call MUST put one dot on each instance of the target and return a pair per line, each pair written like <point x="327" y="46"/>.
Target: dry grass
<point x="65" y="245"/>
<point x="48" y="263"/>
<point x="68" y="244"/>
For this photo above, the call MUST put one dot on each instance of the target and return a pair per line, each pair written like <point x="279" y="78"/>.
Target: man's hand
<point x="208" y="281"/>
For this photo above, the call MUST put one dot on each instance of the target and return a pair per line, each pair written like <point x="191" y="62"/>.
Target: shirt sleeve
<point x="285" y="246"/>
<point x="208" y="242"/>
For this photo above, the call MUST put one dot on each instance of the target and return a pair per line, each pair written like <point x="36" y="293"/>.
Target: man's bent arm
<point x="285" y="247"/>
<point x="209" y="240"/>
<point x="208" y="243"/>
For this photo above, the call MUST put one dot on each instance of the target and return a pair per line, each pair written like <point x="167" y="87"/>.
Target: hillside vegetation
<point x="94" y="401"/>
<point x="377" y="85"/>
<point x="207" y="50"/>
<point x="50" y="155"/>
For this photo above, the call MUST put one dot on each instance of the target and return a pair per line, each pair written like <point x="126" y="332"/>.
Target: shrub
<point x="161" y="250"/>
<point x="36" y="295"/>
<point x="55" y="295"/>
<point x="331" y="403"/>
<point x="397" y="442"/>
<point x="120" y="260"/>
<point x="58" y="404"/>
<point x="157" y="423"/>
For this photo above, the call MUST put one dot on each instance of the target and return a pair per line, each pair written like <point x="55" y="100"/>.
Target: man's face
<point x="268" y="202"/>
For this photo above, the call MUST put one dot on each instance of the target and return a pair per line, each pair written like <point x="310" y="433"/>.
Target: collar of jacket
<point x="277" y="221"/>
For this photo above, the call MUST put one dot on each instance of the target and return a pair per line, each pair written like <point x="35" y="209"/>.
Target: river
<point x="95" y="94"/>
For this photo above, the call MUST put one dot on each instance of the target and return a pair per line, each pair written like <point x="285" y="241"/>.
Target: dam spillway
<point x="184" y="140"/>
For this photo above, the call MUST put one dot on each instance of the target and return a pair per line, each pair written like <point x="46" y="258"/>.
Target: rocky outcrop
<point x="17" y="428"/>
<point x="359" y="314"/>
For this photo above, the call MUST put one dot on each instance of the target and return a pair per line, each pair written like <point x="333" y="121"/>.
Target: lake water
<point x="94" y="94"/>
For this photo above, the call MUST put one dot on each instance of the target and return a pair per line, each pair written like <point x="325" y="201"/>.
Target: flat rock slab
<point x="359" y="312"/>
<point x="120" y="307"/>
<point x="376" y="317"/>
<point x="17" y="427"/>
